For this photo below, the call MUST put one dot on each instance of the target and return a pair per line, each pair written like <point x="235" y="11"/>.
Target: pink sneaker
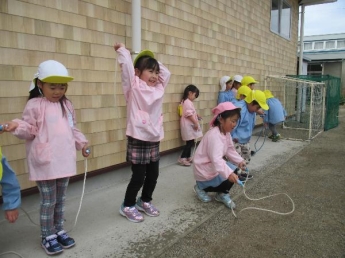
<point x="190" y="159"/>
<point x="183" y="162"/>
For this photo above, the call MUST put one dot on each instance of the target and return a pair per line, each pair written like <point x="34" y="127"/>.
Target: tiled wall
<point x="199" y="41"/>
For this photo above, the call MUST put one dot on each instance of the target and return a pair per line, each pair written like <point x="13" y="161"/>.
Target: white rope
<point x="265" y="197"/>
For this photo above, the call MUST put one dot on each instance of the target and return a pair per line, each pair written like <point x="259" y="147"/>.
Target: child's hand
<point x="196" y="127"/>
<point x="85" y="151"/>
<point x="260" y="112"/>
<point x="118" y="45"/>
<point x="242" y="165"/>
<point x="233" y="178"/>
<point x="11" y="215"/>
<point x="9" y="126"/>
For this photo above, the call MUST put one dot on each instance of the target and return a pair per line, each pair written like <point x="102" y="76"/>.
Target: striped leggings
<point x="52" y="205"/>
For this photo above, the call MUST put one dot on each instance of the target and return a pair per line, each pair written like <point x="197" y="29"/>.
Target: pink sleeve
<point x="164" y="74"/>
<point x="188" y="108"/>
<point x="215" y="153"/>
<point x="27" y="128"/>
<point x="127" y="70"/>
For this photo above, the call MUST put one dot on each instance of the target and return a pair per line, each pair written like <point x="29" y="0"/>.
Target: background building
<point x="326" y="55"/>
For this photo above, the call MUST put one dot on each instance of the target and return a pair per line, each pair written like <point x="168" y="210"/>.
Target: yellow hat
<point x="259" y="97"/>
<point x="0" y="164"/>
<point x="143" y="53"/>
<point x="243" y="90"/>
<point x="248" y="80"/>
<point x="268" y="94"/>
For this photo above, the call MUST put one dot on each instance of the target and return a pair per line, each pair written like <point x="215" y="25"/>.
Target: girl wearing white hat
<point x="49" y="127"/>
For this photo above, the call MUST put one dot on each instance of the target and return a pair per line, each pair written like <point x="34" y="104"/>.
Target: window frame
<point x="280" y="8"/>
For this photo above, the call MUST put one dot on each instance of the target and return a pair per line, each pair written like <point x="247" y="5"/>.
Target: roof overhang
<point x="314" y="2"/>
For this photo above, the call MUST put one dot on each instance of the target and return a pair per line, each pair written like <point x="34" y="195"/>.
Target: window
<point x="281" y="18"/>
<point x="330" y="44"/>
<point x="318" y="45"/>
<point x="308" y="46"/>
<point x="341" y="44"/>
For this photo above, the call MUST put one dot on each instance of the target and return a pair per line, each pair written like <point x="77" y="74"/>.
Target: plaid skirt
<point x="141" y="152"/>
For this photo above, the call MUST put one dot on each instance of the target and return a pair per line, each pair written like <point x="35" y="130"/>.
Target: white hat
<point x="51" y="71"/>
<point x="223" y="81"/>
<point x="238" y="78"/>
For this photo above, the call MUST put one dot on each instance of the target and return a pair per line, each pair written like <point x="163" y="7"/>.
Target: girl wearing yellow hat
<point x="242" y="133"/>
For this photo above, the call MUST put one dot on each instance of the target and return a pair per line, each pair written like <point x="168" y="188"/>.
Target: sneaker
<point x="271" y="136"/>
<point x="131" y="213"/>
<point x="190" y="159"/>
<point x="202" y="195"/>
<point x="276" y="138"/>
<point x="65" y="240"/>
<point x="245" y="175"/>
<point x="225" y="198"/>
<point x="183" y="162"/>
<point x="147" y="207"/>
<point x="51" y="245"/>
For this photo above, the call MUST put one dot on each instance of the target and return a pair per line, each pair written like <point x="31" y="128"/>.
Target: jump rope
<point x="263" y="133"/>
<point x="243" y="184"/>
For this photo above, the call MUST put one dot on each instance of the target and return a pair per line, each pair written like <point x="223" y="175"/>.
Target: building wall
<point x="332" y="68"/>
<point x="199" y="41"/>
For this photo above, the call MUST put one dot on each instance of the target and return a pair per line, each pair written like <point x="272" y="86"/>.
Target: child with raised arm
<point x="10" y="189"/>
<point x="274" y="116"/>
<point x="49" y="127"/>
<point x="211" y="171"/>
<point x="243" y="132"/>
<point x="143" y="84"/>
<point x="189" y="122"/>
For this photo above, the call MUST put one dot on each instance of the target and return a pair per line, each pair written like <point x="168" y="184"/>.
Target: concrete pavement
<point x="311" y="173"/>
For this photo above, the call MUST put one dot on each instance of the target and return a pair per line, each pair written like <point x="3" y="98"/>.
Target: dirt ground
<point x="314" y="179"/>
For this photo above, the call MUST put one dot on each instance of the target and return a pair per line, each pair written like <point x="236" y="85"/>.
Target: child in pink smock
<point x="211" y="172"/>
<point x="189" y="122"/>
<point x="143" y="84"/>
<point x="48" y="126"/>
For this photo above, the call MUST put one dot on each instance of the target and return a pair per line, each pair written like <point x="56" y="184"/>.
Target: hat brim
<point x="215" y="116"/>
<point x="143" y="53"/>
<point x="57" y="79"/>
<point x="264" y="106"/>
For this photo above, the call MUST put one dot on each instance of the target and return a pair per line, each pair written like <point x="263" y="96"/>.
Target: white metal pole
<point x="136" y="27"/>
<point x="300" y="67"/>
<point x="301" y="41"/>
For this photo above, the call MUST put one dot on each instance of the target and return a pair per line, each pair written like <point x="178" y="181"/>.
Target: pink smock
<point x="144" y="103"/>
<point x="187" y="129"/>
<point x="208" y="158"/>
<point x="51" y="139"/>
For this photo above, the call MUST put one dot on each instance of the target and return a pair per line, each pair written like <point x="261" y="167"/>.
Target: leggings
<point x="143" y="175"/>
<point x="52" y="205"/>
<point x="187" y="150"/>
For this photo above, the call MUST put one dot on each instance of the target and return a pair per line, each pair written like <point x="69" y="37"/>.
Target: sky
<point x="324" y="18"/>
